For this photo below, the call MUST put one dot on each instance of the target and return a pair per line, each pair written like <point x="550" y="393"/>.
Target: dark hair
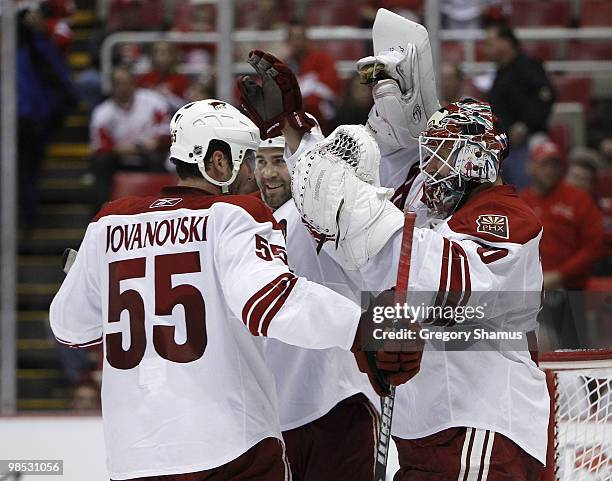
<point x="186" y="170"/>
<point x="585" y="164"/>
<point x="504" y="30"/>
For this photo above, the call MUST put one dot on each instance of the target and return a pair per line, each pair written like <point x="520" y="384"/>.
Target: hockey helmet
<point x="196" y="124"/>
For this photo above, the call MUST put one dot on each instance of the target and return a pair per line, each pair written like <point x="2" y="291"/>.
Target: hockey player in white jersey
<point x="175" y="286"/>
<point x="483" y="409"/>
<point x="323" y="399"/>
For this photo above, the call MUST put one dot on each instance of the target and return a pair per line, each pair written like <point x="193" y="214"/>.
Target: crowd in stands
<point x="129" y="129"/>
<point x="46" y="91"/>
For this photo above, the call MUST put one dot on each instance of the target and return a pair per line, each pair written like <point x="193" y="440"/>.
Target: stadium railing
<point x="468" y="38"/>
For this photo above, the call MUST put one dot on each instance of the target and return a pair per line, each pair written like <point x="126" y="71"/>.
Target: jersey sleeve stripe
<point x="260" y="302"/>
<point x="277" y="305"/>
<point x="264" y="304"/>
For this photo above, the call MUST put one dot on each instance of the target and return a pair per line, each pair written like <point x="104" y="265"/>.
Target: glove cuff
<point x="300" y="121"/>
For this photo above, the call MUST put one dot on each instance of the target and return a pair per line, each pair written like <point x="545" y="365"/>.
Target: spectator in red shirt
<point x="129" y="131"/>
<point x="316" y="74"/>
<point x="571" y="242"/>
<point x="164" y="78"/>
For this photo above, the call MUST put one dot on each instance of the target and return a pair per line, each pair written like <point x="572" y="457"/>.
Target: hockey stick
<point x="401" y="288"/>
<point x="68" y="258"/>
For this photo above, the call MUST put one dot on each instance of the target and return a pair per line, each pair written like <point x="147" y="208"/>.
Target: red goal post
<point x="580" y="428"/>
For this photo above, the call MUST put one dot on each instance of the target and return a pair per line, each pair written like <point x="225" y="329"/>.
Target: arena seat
<point x="577" y="50"/>
<point x="574" y="89"/>
<point x="536" y="13"/>
<point x="343" y="50"/>
<point x="543" y="51"/>
<point x="596" y="13"/>
<point x="561" y="134"/>
<point x="604" y="181"/>
<point x="127" y="184"/>
<point x="340" y="12"/>
<point x="453" y="52"/>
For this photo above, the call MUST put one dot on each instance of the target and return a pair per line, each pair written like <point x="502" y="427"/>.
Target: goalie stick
<point x="401" y="288"/>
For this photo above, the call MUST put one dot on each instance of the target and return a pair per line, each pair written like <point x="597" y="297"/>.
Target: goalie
<point x="484" y="411"/>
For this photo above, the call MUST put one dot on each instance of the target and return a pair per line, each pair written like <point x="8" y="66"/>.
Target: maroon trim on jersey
<point x="79" y="345"/>
<point x="401" y="194"/>
<point x="443" y="273"/>
<point x="460" y="284"/>
<point x="502" y="201"/>
<point x="270" y="298"/>
<point x="280" y="302"/>
<point x="454" y="290"/>
<point x="193" y="198"/>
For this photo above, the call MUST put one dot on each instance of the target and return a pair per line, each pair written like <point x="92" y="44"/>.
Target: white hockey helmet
<point x="273" y="143"/>
<point x="194" y="125"/>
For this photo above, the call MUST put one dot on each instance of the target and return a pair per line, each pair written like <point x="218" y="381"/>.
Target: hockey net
<point x="580" y="429"/>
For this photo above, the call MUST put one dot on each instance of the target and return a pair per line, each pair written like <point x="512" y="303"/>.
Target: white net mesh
<point x="582" y="396"/>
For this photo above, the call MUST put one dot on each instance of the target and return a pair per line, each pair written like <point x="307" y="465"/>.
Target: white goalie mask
<point x="461" y="147"/>
<point x="196" y="124"/>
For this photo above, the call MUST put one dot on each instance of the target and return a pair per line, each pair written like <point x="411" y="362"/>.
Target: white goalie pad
<point x="403" y="53"/>
<point x="335" y="187"/>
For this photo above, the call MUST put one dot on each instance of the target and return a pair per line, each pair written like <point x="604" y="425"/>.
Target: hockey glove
<point x="396" y="363"/>
<point x="275" y="99"/>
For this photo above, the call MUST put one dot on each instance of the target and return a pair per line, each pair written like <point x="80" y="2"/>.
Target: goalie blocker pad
<point x="402" y="47"/>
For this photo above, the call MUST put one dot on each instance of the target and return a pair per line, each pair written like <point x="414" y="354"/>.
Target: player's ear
<point x="219" y="165"/>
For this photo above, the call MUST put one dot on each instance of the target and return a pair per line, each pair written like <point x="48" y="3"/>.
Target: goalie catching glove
<point x="397" y="362"/>
<point x="275" y="100"/>
<point x="336" y="188"/>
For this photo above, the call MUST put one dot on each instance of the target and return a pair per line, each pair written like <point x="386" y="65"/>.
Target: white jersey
<point x="111" y="125"/>
<point x="490" y="245"/>
<point x="502" y="391"/>
<point x="176" y="286"/>
<point x="309" y="383"/>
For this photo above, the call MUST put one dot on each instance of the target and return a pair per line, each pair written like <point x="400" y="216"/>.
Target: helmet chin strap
<point x="224" y="184"/>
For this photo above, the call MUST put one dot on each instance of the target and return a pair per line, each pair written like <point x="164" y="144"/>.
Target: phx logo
<point x="218" y="105"/>
<point x="495" y="225"/>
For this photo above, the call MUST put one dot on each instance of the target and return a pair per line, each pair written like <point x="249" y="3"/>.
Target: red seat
<point x="589" y="50"/>
<point x="343" y="50"/>
<point x="603" y="189"/>
<point x="453" y="52"/>
<point x="574" y="89"/>
<point x="543" y="51"/>
<point x="538" y="13"/>
<point x="126" y="184"/>
<point x="561" y="134"/>
<point x="339" y="12"/>
<point x="596" y="13"/>
<point x="133" y="15"/>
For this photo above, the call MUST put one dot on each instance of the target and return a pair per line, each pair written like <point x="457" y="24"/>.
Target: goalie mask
<point x="463" y="146"/>
<point x="194" y="125"/>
